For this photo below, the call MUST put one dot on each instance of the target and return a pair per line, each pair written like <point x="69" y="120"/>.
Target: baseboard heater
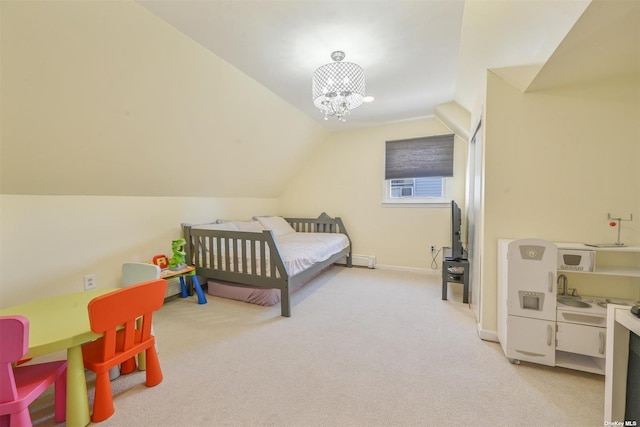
<point x="368" y="261"/>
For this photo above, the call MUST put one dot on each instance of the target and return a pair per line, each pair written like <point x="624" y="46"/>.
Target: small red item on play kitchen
<point x="161" y="261"/>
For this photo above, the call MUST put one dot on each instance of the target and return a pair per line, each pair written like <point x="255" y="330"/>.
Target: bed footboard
<point x="239" y="257"/>
<point x="229" y="255"/>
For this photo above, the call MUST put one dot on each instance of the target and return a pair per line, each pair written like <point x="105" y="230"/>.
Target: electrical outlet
<point x="433" y="248"/>
<point x="90" y="282"/>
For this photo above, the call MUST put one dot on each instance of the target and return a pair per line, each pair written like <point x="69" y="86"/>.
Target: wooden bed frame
<point x="250" y="267"/>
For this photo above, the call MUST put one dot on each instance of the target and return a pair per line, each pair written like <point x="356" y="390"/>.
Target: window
<point x="417" y="170"/>
<point x="430" y="187"/>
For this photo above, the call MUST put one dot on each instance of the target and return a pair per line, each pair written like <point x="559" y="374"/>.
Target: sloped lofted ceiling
<point x="604" y="44"/>
<point x="104" y="98"/>
<point x="408" y="49"/>
<point x="416" y="54"/>
<point x="517" y="35"/>
<point x="601" y="40"/>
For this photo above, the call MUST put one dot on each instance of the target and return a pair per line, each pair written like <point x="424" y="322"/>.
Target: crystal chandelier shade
<point x="338" y="87"/>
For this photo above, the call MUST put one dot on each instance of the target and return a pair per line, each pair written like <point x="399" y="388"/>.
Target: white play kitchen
<point x="552" y="300"/>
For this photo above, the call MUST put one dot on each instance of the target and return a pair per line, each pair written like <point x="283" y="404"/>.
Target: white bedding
<point x="301" y="250"/>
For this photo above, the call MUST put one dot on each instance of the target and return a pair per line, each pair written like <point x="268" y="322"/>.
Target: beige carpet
<point x="362" y="348"/>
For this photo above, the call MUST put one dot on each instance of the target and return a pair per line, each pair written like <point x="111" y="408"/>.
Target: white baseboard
<point x="369" y="261"/>
<point x="410" y="269"/>
<point x="487" y="335"/>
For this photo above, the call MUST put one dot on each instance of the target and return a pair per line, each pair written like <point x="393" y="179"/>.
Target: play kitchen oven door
<point x="531" y="301"/>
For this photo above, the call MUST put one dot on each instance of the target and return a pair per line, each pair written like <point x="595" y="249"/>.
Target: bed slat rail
<point x="237" y="252"/>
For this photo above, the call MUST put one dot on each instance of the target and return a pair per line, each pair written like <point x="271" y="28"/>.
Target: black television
<point x="457" y="252"/>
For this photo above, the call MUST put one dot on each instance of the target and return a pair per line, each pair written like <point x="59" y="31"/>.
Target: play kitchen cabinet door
<point x="531" y="340"/>
<point x="581" y="339"/>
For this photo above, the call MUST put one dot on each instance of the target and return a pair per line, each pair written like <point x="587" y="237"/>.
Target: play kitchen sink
<point x="588" y="304"/>
<point x="573" y="302"/>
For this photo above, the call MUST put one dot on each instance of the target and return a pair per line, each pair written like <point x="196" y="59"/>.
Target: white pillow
<point x="227" y="226"/>
<point x="251" y="226"/>
<point x="277" y="224"/>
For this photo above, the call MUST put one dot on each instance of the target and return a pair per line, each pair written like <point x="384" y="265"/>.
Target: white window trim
<point x="443" y="201"/>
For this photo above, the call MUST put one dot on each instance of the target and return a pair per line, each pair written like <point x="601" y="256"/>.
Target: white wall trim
<point x="487" y="335"/>
<point x="411" y="269"/>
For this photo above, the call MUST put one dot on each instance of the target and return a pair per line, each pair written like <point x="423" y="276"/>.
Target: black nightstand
<point x="456" y="271"/>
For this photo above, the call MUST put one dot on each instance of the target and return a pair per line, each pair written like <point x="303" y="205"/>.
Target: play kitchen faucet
<point x="562" y="280"/>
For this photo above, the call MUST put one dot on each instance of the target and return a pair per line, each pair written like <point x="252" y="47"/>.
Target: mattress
<point x="251" y="294"/>
<point x="300" y="251"/>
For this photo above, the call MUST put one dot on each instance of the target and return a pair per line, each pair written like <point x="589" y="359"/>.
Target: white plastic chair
<point x="138" y="272"/>
<point x="133" y="273"/>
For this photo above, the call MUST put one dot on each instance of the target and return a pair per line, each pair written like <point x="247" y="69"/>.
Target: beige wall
<point x="50" y="242"/>
<point x="344" y="177"/>
<point x="557" y="161"/>
<point x="104" y="98"/>
<point x="101" y="101"/>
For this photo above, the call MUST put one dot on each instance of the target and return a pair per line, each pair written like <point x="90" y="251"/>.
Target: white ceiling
<point x="416" y="54"/>
<point x="408" y="49"/>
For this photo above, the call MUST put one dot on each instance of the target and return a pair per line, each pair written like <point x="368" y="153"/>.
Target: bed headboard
<point x="323" y="224"/>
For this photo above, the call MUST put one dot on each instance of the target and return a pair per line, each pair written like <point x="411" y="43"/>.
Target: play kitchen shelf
<point x="534" y="326"/>
<point x="631" y="255"/>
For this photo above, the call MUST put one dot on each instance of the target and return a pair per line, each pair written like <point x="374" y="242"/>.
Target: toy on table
<point x="161" y="261"/>
<point x="177" y="261"/>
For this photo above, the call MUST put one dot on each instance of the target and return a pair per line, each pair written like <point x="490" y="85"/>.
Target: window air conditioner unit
<point x="407" y="192"/>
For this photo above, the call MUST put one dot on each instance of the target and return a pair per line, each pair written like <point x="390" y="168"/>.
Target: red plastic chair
<point x="114" y="315"/>
<point x="20" y="386"/>
<point x="132" y="274"/>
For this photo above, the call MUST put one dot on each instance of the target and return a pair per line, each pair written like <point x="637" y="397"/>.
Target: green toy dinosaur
<point x="177" y="261"/>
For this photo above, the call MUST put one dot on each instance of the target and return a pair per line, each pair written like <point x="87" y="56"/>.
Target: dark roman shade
<point x="419" y="157"/>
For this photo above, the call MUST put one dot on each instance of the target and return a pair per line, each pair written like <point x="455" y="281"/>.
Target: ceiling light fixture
<point x="338" y="87"/>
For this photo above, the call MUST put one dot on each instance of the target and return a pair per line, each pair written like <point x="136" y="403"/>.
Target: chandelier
<point x="338" y="87"/>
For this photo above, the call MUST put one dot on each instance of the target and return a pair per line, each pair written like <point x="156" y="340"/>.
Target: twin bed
<point x="264" y="260"/>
